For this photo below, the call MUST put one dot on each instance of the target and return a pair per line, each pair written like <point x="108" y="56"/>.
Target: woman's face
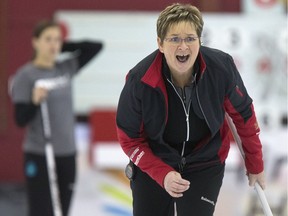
<point x="48" y="44"/>
<point x="180" y="55"/>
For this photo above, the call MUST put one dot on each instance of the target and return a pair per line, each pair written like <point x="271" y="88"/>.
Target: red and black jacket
<point x="143" y="112"/>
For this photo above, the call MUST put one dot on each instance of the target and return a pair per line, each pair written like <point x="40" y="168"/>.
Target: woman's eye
<point x="175" y="39"/>
<point x="190" y="39"/>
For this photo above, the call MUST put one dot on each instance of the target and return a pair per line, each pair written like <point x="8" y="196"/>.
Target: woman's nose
<point x="182" y="45"/>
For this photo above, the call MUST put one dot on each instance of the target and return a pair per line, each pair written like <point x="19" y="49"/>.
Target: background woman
<point x="54" y="84"/>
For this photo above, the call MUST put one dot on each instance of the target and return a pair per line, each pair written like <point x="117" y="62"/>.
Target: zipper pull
<point x="182" y="164"/>
<point x="183" y="161"/>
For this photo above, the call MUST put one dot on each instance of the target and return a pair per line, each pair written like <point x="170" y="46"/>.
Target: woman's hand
<point x="38" y="95"/>
<point x="260" y="178"/>
<point x="175" y="185"/>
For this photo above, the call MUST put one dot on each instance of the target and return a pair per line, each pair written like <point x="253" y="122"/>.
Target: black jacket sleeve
<point x="87" y="50"/>
<point x="24" y="113"/>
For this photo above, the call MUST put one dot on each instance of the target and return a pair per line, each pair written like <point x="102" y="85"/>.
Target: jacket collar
<point x="202" y="63"/>
<point x="153" y="75"/>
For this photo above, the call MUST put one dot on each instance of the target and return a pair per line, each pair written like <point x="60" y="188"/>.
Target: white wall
<point x="257" y="43"/>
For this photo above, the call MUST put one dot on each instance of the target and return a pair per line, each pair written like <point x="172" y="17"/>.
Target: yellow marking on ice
<point x="117" y="194"/>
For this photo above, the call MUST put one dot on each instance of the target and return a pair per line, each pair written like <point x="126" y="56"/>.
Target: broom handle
<point x="259" y="190"/>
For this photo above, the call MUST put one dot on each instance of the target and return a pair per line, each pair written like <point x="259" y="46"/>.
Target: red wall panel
<point x="17" y="21"/>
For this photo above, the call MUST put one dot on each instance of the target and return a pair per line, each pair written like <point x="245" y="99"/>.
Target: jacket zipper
<point x="183" y="159"/>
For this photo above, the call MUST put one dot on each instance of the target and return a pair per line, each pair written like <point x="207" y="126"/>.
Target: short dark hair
<point x="42" y="26"/>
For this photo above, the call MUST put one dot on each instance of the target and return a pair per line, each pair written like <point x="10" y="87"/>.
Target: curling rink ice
<point x="106" y="192"/>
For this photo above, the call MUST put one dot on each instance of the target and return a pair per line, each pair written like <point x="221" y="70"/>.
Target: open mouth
<point x="182" y="58"/>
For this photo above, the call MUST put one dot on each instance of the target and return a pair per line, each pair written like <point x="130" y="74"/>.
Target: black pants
<point x="38" y="190"/>
<point x="151" y="199"/>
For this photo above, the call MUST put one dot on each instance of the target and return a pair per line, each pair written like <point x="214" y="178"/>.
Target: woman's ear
<point x="34" y="43"/>
<point x="160" y="44"/>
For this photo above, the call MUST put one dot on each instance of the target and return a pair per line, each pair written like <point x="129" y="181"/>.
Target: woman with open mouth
<point x="171" y="121"/>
